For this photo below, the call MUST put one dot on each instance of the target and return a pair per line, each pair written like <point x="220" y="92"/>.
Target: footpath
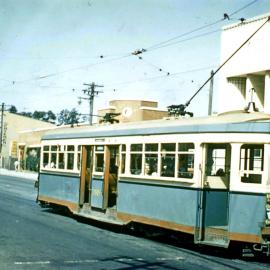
<point x="21" y="174"/>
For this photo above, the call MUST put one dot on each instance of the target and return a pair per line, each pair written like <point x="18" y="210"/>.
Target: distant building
<point x="14" y="148"/>
<point x="246" y="77"/>
<point x="133" y="110"/>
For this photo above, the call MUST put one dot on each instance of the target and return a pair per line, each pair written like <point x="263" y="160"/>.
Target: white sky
<point x="49" y="47"/>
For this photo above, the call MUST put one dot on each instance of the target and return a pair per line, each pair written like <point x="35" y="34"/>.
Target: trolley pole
<point x="91" y="92"/>
<point x="210" y="102"/>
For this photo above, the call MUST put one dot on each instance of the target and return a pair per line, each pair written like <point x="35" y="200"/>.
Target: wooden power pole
<point x="91" y="92"/>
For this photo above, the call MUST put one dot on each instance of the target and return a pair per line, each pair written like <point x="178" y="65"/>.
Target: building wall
<point x="134" y="110"/>
<point x="248" y="69"/>
<point x="14" y="124"/>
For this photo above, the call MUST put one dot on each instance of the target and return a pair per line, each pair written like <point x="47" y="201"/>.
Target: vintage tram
<point x="208" y="177"/>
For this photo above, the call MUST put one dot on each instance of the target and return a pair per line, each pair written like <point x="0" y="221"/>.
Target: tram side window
<point x="99" y="158"/>
<point x="79" y="157"/>
<point x="218" y="160"/>
<point x="168" y="159"/>
<point x="61" y="156"/>
<point x="185" y="160"/>
<point x="151" y="159"/>
<point x="123" y="158"/>
<point x="136" y="159"/>
<point x="251" y="163"/>
<point x="46" y="150"/>
<point x="53" y="156"/>
<point x="70" y="157"/>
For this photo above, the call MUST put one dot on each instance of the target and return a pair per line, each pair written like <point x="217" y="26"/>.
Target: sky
<point x="50" y="48"/>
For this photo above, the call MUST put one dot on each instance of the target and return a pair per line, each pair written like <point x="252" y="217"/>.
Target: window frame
<point x="157" y="175"/>
<point x="244" y="169"/>
<point x="56" y="150"/>
<point x="96" y="151"/>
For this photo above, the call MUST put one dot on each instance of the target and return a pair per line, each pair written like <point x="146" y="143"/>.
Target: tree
<point x="48" y="116"/>
<point x="13" y="109"/>
<point x="39" y="115"/>
<point x="67" y="117"/>
<point x="51" y="115"/>
<point x="28" y="114"/>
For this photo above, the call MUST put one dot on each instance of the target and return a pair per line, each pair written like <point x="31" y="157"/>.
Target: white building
<point x="248" y="69"/>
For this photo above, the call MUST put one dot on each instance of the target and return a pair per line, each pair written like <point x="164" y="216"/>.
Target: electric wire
<point x="159" y="45"/>
<point x="200" y="27"/>
<point x="186" y="39"/>
<point x="110" y="85"/>
<point x="226" y="61"/>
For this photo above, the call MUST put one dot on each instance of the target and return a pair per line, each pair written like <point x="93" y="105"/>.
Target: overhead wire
<point x="160" y="76"/>
<point x="244" y="7"/>
<point x="186" y="39"/>
<point x="162" y="44"/>
<point x="201" y="27"/>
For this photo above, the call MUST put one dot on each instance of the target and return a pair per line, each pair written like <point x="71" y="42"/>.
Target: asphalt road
<point x="32" y="237"/>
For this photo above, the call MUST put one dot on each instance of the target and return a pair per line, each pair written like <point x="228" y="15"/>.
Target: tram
<point x="208" y="177"/>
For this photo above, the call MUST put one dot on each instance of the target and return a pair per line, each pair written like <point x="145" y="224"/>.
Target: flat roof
<point x="246" y="21"/>
<point x="234" y="122"/>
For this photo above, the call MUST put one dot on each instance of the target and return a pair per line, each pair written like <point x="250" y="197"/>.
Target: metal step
<point x="108" y="217"/>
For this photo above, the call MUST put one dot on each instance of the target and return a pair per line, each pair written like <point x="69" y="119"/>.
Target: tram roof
<point x="237" y="122"/>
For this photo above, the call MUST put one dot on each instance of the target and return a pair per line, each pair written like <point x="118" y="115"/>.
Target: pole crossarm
<point x="90" y="92"/>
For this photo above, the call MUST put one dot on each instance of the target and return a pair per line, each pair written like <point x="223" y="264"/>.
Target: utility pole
<point x="90" y="92"/>
<point x="210" y="102"/>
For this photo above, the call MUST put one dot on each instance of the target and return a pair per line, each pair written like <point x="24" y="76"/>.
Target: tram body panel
<point x="158" y="202"/>
<point x="64" y="188"/>
<point x="97" y="199"/>
<point x="247" y="215"/>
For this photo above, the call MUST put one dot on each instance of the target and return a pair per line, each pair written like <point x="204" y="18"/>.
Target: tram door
<point x="213" y="217"/>
<point x="104" y="186"/>
<point x="111" y="176"/>
<point x="86" y="173"/>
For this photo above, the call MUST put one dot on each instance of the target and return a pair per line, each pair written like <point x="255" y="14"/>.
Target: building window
<point x="136" y="159"/>
<point x="185" y="160"/>
<point x="168" y="159"/>
<point x="251" y="163"/>
<point x="239" y="83"/>
<point x="99" y="158"/>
